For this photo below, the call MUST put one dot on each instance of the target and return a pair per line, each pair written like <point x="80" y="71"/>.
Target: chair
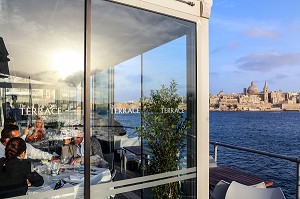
<point x="220" y="190"/>
<point x="237" y="191"/>
<point x="126" y="155"/>
<point x="117" y="141"/>
<point x="110" y="158"/>
<point x="222" y="186"/>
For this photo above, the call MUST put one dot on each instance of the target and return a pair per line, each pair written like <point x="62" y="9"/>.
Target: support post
<point x="215" y="151"/>
<point x="298" y="182"/>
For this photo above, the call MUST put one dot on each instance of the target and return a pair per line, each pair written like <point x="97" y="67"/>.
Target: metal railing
<point x="282" y="157"/>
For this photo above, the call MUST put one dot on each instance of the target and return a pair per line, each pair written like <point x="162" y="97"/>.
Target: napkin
<point x="77" y="177"/>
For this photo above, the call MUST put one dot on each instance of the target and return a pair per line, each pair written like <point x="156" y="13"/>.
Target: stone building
<point x="253" y="99"/>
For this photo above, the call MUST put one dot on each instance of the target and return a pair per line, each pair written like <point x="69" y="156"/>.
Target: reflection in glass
<point x="133" y="52"/>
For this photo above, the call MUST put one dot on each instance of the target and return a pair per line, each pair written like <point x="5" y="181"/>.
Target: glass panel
<point x="42" y="88"/>
<point x="137" y="52"/>
<point x="133" y="52"/>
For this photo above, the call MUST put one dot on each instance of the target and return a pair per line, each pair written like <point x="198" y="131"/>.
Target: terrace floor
<point x="132" y="172"/>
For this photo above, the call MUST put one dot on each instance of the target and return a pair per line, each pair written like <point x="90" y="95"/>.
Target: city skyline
<point x="254" y="42"/>
<point x="260" y="89"/>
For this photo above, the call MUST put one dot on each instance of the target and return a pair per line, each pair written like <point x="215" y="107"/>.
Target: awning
<point x="3" y="60"/>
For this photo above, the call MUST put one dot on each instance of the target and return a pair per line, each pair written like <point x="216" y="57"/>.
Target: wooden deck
<point x="229" y="174"/>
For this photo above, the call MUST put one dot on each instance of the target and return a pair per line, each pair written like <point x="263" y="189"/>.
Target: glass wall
<point x="142" y="89"/>
<point x="152" y="57"/>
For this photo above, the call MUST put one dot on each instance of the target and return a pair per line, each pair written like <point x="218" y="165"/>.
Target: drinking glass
<point x="55" y="166"/>
<point x="35" y="137"/>
<point x="65" y="160"/>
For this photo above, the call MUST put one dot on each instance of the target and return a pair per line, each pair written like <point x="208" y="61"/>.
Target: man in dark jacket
<point x="96" y="158"/>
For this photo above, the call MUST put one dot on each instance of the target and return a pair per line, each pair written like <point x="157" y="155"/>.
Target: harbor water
<point x="273" y="132"/>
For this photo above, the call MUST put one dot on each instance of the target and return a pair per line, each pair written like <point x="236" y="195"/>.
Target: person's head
<point x="15" y="147"/>
<point x="67" y="139"/>
<point x="8" y="132"/>
<point x="39" y="123"/>
<point x="8" y="121"/>
<point x="77" y="137"/>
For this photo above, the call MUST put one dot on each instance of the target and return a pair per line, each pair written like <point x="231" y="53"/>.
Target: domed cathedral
<point x="266" y="93"/>
<point x="253" y="96"/>
<point x="252" y="90"/>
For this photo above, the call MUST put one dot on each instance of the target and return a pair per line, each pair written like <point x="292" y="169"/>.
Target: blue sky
<point x="249" y="41"/>
<point x="254" y="41"/>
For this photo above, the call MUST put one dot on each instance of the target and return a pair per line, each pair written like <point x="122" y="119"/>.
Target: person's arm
<point x="30" y="135"/>
<point x="33" y="178"/>
<point x="25" y="133"/>
<point x="96" y="154"/>
<point x="43" y="133"/>
<point x="34" y="153"/>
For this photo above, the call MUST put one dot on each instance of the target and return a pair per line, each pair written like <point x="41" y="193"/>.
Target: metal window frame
<point x="200" y="15"/>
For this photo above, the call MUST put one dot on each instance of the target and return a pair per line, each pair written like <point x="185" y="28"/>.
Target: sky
<point x="249" y="41"/>
<point x="45" y="41"/>
<point x="254" y="41"/>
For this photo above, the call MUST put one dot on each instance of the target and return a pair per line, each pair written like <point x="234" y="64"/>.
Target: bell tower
<point x="266" y="93"/>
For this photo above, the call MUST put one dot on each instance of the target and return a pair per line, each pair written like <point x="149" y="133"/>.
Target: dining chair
<point x="126" y="155"/>
<point x="117" y="140"/>
<point x="237" y="191"/>
<point x="222" y="186"/>
<point x="220" y="190"/>
<point x="110" y="158"/>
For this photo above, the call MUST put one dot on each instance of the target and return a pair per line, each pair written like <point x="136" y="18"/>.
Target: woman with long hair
<point x="38" y="132"/>
<point x="15" y="171"/>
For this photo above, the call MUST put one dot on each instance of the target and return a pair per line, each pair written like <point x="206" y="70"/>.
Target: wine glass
<point x="35" y="136"/>
<point x="65" y="160"/>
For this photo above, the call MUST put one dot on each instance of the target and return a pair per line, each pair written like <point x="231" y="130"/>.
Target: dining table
<point x="68" y="176"/>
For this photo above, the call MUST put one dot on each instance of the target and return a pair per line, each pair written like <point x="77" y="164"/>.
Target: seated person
<point x="10" y="131"/>
<point x="38" y="132"/>
<point x="15" y="171"/>
<point x="96" y="158"/>
<point x="8" y="121"/>
<point x="68" y="149"/>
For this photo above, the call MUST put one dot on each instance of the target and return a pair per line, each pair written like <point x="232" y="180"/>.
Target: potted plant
<point x="164" y="130"/>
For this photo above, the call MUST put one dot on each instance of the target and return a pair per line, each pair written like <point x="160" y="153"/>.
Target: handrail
<point x="292" y="159"/>
<point x="283" y="157"/>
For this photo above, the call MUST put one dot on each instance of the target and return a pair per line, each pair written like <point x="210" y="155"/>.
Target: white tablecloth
<point x="73" y="178"/>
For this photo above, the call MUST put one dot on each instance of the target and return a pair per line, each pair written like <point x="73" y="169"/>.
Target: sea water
<point x="273" y="132"/>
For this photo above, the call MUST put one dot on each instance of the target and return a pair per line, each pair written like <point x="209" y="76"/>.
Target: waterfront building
<point x="252" y="99"/>
<point x="252" y="89"/>
<point x="266" y="93"/>
<point x="84" y="56"/>
<point x="277" y="97"/>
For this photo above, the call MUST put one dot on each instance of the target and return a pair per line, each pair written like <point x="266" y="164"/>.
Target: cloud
<point x="230" y="45"/>
<point x="261" y="33"/>
<point x="233" y="45"/>
<point x="237" y="72"/>
<point x="274" y="80"/>
<point x="281" y="76"/>
<point x="265" y="62"/>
